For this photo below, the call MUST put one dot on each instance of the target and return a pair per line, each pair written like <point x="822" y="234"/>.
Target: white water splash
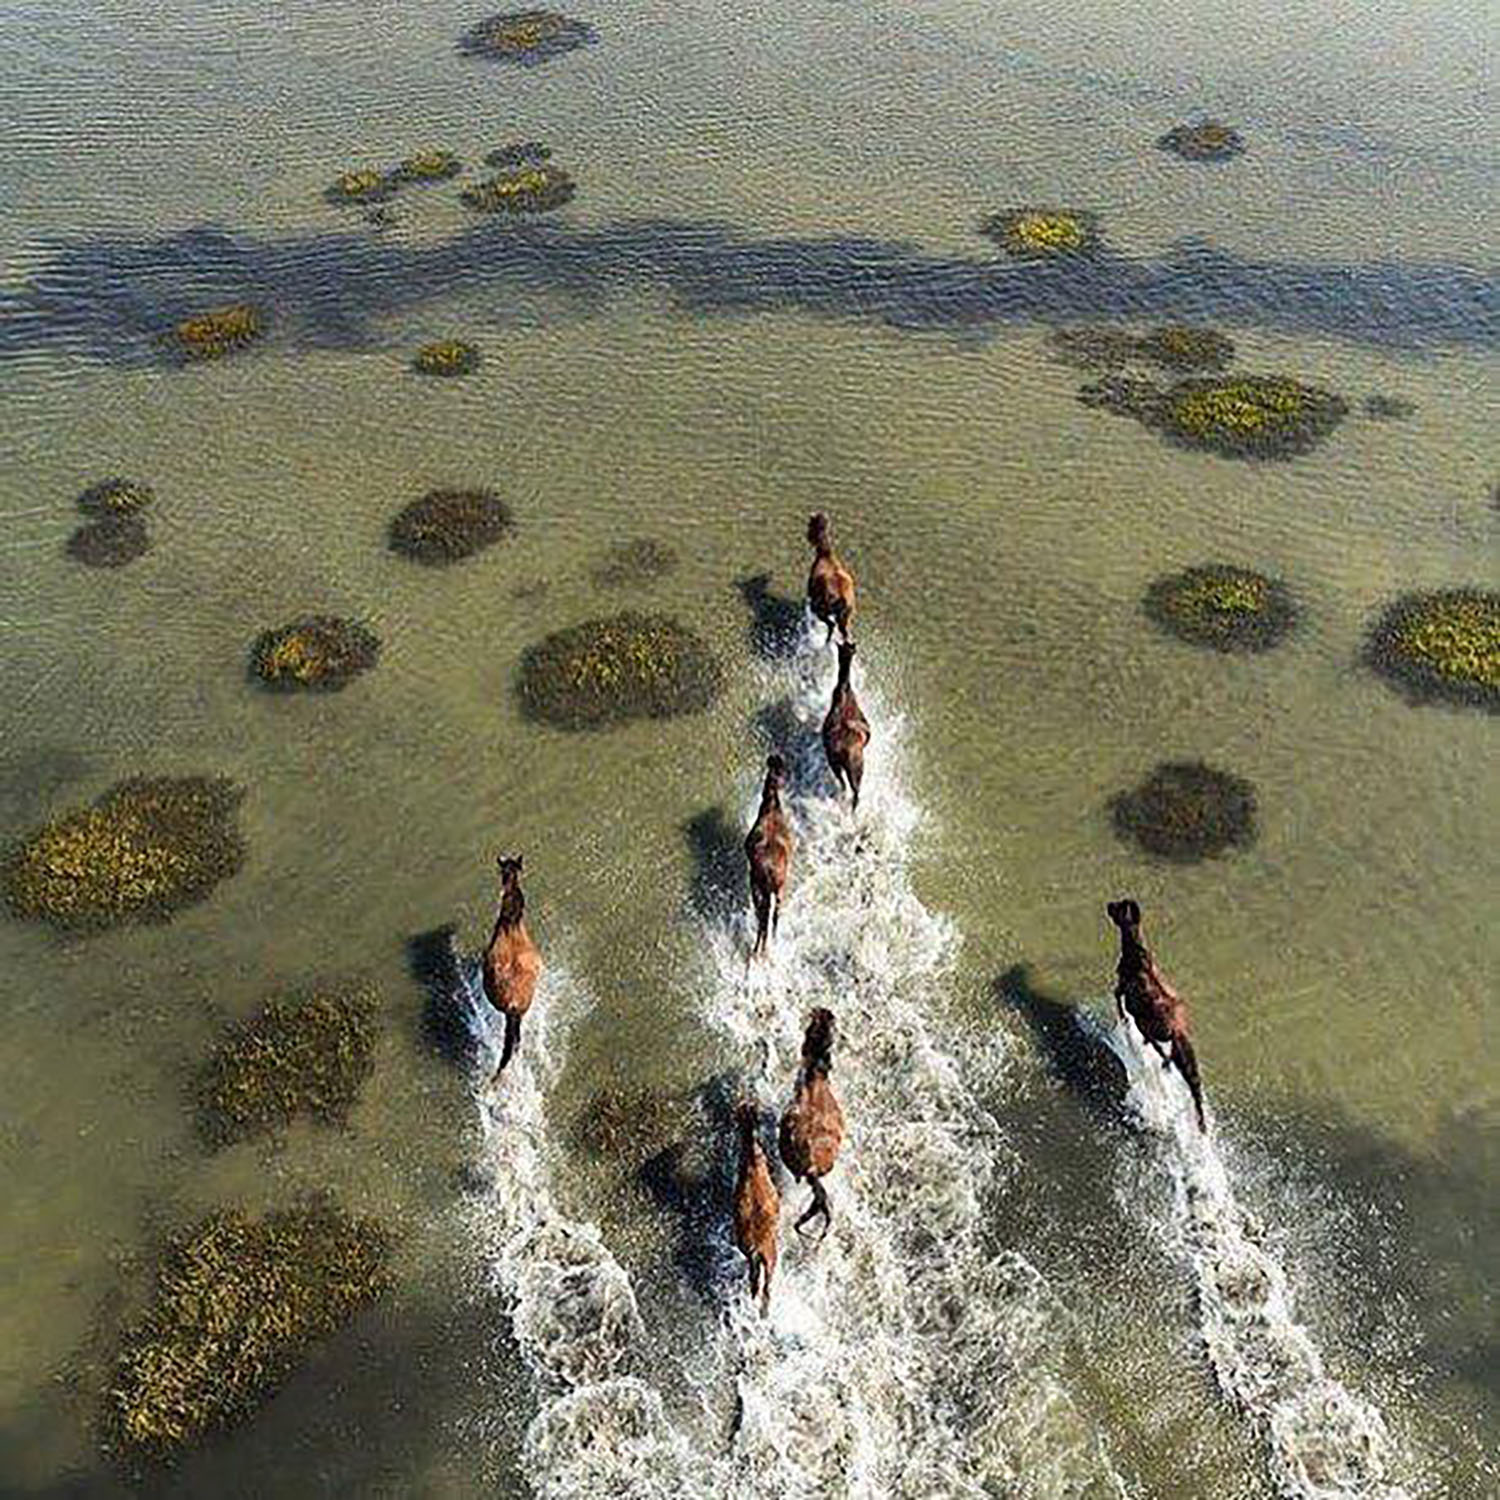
<point x="1325" y="1442"/>
<point x="903" y="1355"/>
<point x="600" y="1429"/>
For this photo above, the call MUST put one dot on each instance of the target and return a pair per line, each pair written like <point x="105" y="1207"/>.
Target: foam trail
<point x="599" y="1429"/>
<point x="903" y="1356"/>
<point x="1325" y="1442"/>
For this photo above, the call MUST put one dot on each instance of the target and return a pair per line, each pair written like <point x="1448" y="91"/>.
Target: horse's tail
<point x="843" y="611"/>
<point x="512" y="1038"/>
<point x="761" y="896"/>
<point x="1187" y="1064"/>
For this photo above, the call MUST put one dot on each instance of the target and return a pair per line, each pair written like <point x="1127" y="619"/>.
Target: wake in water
<point x="1326" y="1443"/>
<point x="903" y="1356"/>
<point x="600" y="1429"/>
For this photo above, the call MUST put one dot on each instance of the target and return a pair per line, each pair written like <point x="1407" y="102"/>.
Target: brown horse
<point x="812" y="1129"/>
<point x="757" y="1206"/>
<point x="768" y="847"/>
<point x="1160" y="1013"/>
<point x="846" y="731"/>
<point x="830" y="585"/>
<point x="512" y="963"/>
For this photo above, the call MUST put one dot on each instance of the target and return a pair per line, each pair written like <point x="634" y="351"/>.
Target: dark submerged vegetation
<point x="110" y="499"/>
<point x="1379" y="407"/>
<point x="217" y="332"/>
<point x="1208" y="140"/>
<point x="530" y="189"/>
<point x="1178" y="347"/>
<point x="1186" y="811"/>
<point x="1440" y="647"/>
<point x="304" y="1057"/>
<point x="519" y="154"/>
<point x="147" y="848"/>
<point x="109" y="543"/>
<point x="1225" y="607"/>
<point x="318" y="653"/>
<point x="1042" y="233"/>
<point x="446" y="526"/>
<point x="525" y="37"/>
<point x="446" y="358"/>
<point x="608" y="671"/>
<point x="237" y="1305"/>
<point x="637" y="561"/>
<point x="1235" y="416"/>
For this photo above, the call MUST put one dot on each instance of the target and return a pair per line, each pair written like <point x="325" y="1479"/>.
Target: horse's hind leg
<point x="508" y="1047"/>
<point x="818" y="1208"/>
<point x="762" y="900"/>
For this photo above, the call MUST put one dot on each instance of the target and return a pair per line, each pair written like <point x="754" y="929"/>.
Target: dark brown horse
<point x="812" y="1129"/>
<point x="846" y="731"/>
<point x="512" y="963"/>
<point x="768" y="847"/>
<point x="830" y="585"/>
<point x="1159" y="1012"/>
<point x="757" y="1206"/>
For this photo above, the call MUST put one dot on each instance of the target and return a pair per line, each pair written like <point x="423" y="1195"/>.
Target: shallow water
<point x="768" y="297"/>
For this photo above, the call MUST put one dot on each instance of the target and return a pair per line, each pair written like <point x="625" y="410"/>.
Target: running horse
<point x="768" y="848"/>
<point x="512" y="963"/>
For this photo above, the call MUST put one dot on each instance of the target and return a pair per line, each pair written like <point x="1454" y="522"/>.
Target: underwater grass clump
<point x="238" y="1303"/>
<point x="147" y="848"/>
<point x="1382" y="408"/>
<point x="428" y="166"/>
<point x="220" y="331"/>
<point x="526" y="37"/>
<point x="524" y="190"/>
<point x="307" y="1057"/>
<point x="319" y="653"/>
<point x="608" y="671"/>
<point x="1441" y="647"/>
<point x="1209" y="140"/>
<point x="1042" y="233"/>
<point x="109" y="543"/>
<point x="1182" y="347"/>
<point x="446" y="526"/>
<point x="111" y="498"/>
<point x="446" y="358"/>
<point x="638" y="561"/>
<point x="1186" y="811"/>
<point x="629" y="1123"/>
<point x="1094" y="346"/>
<point x="519" y="154"/>
<point x="1218" y="605"/>
<point x="1235" y="416"/>
<point x="361" y="185"/>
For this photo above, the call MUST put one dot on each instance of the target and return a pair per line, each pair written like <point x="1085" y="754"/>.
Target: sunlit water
<point x="768" y="297"/>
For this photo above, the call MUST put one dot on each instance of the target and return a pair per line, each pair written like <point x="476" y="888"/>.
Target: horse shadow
<point x="717" y="846"/>
<point x="451" y="1021"/>
<point x="775" y="619"/>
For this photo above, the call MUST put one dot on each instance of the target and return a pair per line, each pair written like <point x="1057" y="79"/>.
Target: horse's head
<point x="775" y="772"/>
<point x="1126" y="914"/>
<point x="817" y="530"/>
<point x="817" y="1041"/>
<point x="509" y="866"/>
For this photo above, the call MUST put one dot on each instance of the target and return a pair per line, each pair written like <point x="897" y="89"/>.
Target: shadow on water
<point x="692" y="1180"/>
<point x="448" y="1022"/>
<point x="717" y="846"/>
<point x="781" y="727"/>
<point x="113" y="299"/>
<point x="775" y="619"/>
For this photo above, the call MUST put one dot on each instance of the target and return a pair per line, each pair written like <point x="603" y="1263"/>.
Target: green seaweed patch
<point x="238" y="1304"/>
<point x="1043" y="233"/>
<point x="428" y="166"/>
<point x="146" y="849"/>
<point x="519" y="154"/>
<point x="1218" y="605"/>
<point x="446" y="526"/>
<point x="608" y="671"/>
<point x="219" y="331"/>
<point x="305" y="1057"/>
<point x="526" y="37"/>
<point x="318" y="653"/>
<point x="1186" y="811"/>
<point x="446" y="358"/>
<point x="639" y="561"/>
<point x="361" y="186"/>
<point x="1182" y="347"/>
<point x="1379" y="407"/>
<point x="524" y="190"/>
<point x="1208" y="140"/>
<point x="1441" y="647"/>
<point x="109" y="543"/>
<point x="1235" y="416"/>
<point x="111" y="498"/>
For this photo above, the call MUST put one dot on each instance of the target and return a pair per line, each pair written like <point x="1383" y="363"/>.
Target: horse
<point x="512" y="963"/>
<point x="757" y="1206"/>
<point x="846" y="731"/>
<point x="812" y="1128"/>
<point x="830" y="585"/>
<point x="768" y="848"/>
<point x="1159" y="1012"/>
